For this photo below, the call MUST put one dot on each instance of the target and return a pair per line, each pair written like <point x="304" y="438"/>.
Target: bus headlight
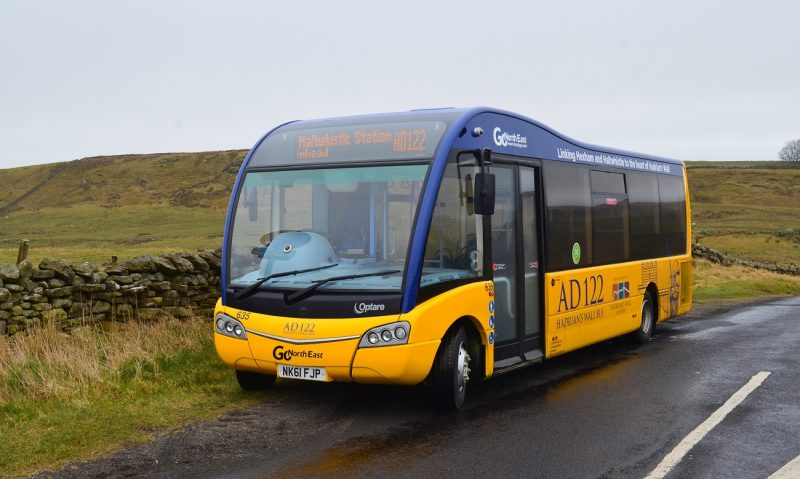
<point x="386" y="335"/>
<point x="228" y="326"/>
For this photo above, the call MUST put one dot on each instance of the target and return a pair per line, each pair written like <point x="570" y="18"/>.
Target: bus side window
<point x="646" y="239"/>
<point x="610" y="217"/>
<point x="673" y="214"/>
<point x="569" y="215"/>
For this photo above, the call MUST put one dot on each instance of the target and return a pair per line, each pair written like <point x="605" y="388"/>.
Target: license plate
<point x="302" y="372"/>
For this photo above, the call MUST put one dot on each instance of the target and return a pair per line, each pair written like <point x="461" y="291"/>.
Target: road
<point x="613" y="410"/>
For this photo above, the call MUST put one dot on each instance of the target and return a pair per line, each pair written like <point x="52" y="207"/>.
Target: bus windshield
<point x="350" y="226"/>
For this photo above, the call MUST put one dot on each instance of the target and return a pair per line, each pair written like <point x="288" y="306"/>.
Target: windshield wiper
<point x="305" y="292"/>
<point x="248" y="291"/>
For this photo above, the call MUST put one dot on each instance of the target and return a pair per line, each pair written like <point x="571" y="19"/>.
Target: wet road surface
<point x="613" y="410"/>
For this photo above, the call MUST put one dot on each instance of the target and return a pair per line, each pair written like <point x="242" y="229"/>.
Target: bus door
<point x="516" y="264"/>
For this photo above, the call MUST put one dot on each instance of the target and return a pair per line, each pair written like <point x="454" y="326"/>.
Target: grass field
<point x="64" y="398"/>
<point x="92" y="233"/>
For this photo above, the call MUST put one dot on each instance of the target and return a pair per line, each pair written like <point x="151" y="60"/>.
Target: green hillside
<point x="747" y="208"/>
<point x="90" y="209"/>
<point x="93" y="208"/>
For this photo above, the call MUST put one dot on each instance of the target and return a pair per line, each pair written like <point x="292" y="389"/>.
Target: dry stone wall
<point x="143" y="288"/>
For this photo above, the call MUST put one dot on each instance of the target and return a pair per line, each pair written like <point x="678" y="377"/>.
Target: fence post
<point x="22" y="255"/>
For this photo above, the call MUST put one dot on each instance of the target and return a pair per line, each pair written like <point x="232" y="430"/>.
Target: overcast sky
<point x="694" y="80"/>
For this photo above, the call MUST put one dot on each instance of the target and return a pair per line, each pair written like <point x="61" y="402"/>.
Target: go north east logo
<point x="502" y="138"/>
<point x="621" y="290"/>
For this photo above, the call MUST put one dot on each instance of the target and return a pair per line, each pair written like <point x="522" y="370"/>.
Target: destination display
<point x="369" y="142"/>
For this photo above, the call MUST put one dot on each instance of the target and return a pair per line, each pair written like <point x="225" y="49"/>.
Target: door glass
<point x="504" y="253"/>
<point x="530" y="254"/>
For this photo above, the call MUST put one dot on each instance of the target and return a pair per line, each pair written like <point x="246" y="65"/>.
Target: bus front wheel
<point x="648" y="324"/>
<point x="250" y="381"/>
<point x="451" y="371"/>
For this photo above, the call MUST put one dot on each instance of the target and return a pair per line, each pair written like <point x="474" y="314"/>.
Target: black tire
<point x="451" y="371"/>
<point x="648" y="323"/>
<point x="250" y="381"/>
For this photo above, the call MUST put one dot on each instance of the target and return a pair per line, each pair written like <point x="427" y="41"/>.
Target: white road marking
<point x="791" y="470"/>
<point x="673" y="458"/>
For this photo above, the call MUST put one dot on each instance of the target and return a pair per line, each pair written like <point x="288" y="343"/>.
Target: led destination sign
<point x="350" y="143"/>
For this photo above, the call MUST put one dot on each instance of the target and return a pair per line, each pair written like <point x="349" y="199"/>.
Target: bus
<point x="442" y="246"/>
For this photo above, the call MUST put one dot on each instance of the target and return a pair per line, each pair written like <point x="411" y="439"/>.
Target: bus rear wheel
<point x="451" y="372"/>
<point x="250" y="381"/>
<point x="648" y="324"/>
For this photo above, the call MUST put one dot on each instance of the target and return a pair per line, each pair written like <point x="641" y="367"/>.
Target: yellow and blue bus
<point x="442" y="246"/>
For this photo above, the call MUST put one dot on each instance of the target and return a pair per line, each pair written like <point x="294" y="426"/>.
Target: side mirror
<point x="484" y="194"/>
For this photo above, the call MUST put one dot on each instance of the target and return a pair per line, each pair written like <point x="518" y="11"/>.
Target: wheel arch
<point x="476" y="346"/>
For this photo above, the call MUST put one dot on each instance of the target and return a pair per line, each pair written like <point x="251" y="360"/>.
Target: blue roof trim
<point x="422" y="225"/>
<point x="507" y="133"/>
<point x="228" y="218"/>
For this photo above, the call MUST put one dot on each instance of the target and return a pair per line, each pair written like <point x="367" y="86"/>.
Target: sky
<point x="692" y="80"/>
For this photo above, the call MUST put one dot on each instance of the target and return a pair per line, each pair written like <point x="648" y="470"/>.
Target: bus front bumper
<point x="343" y="360"/>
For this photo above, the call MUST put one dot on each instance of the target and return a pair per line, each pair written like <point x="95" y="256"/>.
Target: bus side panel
<point x="589" y="305"/>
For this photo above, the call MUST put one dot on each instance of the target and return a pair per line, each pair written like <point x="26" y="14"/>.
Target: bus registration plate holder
<point x="309" y="373"/>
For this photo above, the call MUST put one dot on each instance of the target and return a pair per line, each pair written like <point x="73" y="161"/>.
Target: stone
<point x="91" y="288"/>
<point x="25" y="269"/>
<point x="99" y="277"/>
<point x="142" y="264"/>
<point x="181" y="264"/>
<point x="84" y="269"/>
<point x="214" y="262"/>
<point x="115" y="269"/>
<point x="60" y="267"/>
<point x="78" y="310"/>
<point x="28" y="284"/>
<point x="78" y="280"/>
<point x="103" y="297"/>
<point x="160" y="286"/>
<point x="164" y="265"/>
<point x="62" y="303"/>
<point x="8" y="272"/>
<point x="43" y="274"/>
<point x="59" y="292"/>
<point x="2" y="327"/>
<point x="56" y="283"/>
<point x="100" y="307"/>
<point x="785" y="233"/>
<point x="7" y="305"/>
<point x="14" y="288"/>
<point x="4" y="314"/>
<point x="42" y="307"/>
<point x="4" y="294"/>
<point x="156" y="277"/>
<point x="197" y="261"/>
